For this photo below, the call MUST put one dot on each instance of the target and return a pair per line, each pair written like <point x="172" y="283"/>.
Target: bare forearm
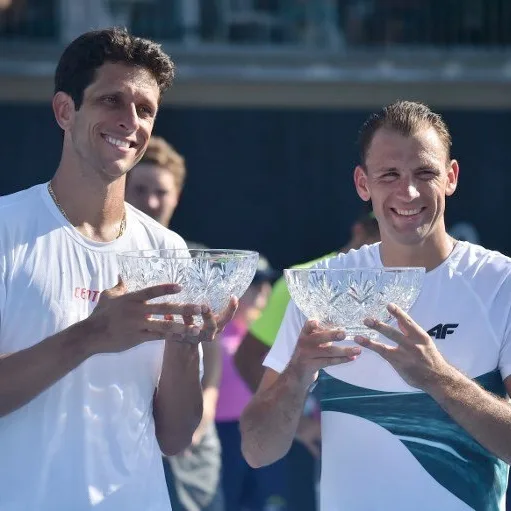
<point x="483" y="415"/>
<point x="269" y="423"/>
<point x="248" y="360"/>
<point x="251" y="372"/>
<point x="178" y="398"/>
<point x="27" y="373"/>
<point x="212" y="364"/>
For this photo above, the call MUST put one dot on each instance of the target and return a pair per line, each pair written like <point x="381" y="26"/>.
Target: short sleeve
<point x="287" y="337"/>
<point x="500" y="313"/>
<point x="267" y="325"/>
<point x="3" y="276"/>
<point x="201" y="362"/>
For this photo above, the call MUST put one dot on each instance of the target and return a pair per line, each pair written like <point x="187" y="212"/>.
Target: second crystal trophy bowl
<point x="343" y="298"/>
<point x="207" y="277"/>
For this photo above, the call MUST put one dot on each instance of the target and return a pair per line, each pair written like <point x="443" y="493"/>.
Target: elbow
<point x="250" y="457"/>
<point x="251" y="451"/>
<point x="175" y="438"/>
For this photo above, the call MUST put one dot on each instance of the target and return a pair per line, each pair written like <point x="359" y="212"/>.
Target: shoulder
<point x="475" y="261"/>
<point x="23" y="216"/>
<point x="23" y="200"/>
<point x="485" y="273"/>
<point x="367" y="256"/>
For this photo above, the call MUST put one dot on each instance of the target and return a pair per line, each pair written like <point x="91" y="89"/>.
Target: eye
<point x="145" y="111"/>
<point x="391" y="175"/>
<point x="111" y="100"/>
<point x="427" y="174"/>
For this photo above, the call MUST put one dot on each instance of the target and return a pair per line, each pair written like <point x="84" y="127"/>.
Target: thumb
<point x="119" y="289"/>
<point x="310" y="326"/>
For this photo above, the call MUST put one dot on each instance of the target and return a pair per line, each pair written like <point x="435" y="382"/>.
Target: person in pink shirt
<point x="245" y="488"/>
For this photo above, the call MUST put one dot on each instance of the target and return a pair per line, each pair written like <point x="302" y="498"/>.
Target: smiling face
<point x="109" y="133"/>
<point x="407" y="179"/>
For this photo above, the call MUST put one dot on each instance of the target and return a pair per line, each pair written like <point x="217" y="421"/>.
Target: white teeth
<point x="408" y="212"/>
<point x="117" y="142"/>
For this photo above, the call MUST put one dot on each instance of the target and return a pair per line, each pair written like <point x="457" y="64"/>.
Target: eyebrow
<point x="120" y="94"/>
<point x="426" y="167"/>
<point x="417" y="169"/>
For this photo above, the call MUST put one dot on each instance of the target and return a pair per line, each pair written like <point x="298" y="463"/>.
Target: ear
<point x="64" y="109"/>
<point x="360" y="178"/>
<point x="452" y="178"/>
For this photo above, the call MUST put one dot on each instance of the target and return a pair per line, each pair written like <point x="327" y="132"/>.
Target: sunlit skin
<point x="120" y="105"/>
<point x="153" y="190"/>
<point x="407" y="178"/>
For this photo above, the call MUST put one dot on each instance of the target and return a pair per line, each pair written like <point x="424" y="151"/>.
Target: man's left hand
<point x="212" y="325"/>
<point x="415" y="358"/>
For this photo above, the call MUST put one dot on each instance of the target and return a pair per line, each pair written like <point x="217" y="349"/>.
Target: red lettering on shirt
<point x="82" y="293"/>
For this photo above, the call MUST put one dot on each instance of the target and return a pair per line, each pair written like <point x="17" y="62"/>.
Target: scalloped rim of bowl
<point x="188" y="253"/>
<point x="361" y="268"/>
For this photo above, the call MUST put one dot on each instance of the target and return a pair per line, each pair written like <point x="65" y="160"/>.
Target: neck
<point x="94" y="208"/>
<point x="429" y="254"/>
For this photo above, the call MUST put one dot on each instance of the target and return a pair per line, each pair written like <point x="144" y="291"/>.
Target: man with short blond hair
<point x="154" y="186"/>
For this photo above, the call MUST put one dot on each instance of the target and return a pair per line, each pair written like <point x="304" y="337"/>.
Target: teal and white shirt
<point x="388" y="446"/>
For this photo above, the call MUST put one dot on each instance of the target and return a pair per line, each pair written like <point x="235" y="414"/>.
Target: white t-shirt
<point x="388" y="446"/>
<point x="88" y="442"/>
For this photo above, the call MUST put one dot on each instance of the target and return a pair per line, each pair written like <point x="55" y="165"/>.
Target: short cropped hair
<point x="405" y="118"/>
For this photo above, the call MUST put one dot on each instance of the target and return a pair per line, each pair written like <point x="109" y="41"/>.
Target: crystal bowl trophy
<point x="208" y="277"/>
<point x="343" y="298"/>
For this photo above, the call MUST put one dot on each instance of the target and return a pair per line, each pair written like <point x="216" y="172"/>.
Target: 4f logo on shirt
<point x="440" y="331"/>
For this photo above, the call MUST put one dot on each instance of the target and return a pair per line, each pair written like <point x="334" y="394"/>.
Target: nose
<point x="153" y="202"/>
<point x="408" y="190"/>
<point x="129" y="120"/>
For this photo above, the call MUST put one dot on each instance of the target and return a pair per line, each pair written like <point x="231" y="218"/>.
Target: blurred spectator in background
<point x="78" y="16"/>
<point x="315" y="23"/>
<point x="4" y="5"/>
<point x="302" y="459"/>
<point x="155" y="184"/>
<point x="193" y="476"/>
<point x="11" y="13"/>
<point x="245" y="488"/>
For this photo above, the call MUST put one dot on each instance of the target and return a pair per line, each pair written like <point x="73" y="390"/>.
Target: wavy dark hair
<point x="77" y="66"/>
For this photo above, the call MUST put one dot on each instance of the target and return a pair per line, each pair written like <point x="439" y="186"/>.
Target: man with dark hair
<point x="87" y="404"/>
<point x="416" y="418"/>
<point x="80" y="62"/>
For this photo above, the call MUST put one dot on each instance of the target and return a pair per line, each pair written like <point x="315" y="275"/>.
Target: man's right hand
<point x="122" y="320"/>
<point x="315" y="350"/>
